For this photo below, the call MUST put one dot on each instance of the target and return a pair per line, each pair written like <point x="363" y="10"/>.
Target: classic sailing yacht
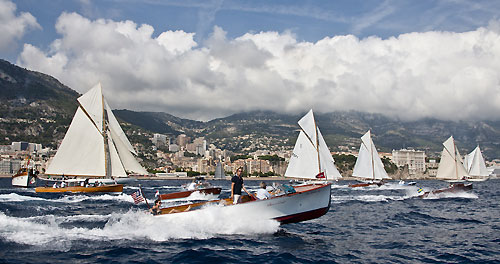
<point x="311" y="159"/>
<point x="95" y="148"/>
<point x="291" y="204"/>
<point x="475" y="166"/>
<point x="451" y="169"/>
<point x="368" y="165"/>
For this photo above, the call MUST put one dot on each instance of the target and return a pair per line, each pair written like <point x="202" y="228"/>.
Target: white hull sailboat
<point x="476" y="167"/>
<point x="369" y="167"/>
<point x="294" y="203"/>
<point x="94" y="147"/>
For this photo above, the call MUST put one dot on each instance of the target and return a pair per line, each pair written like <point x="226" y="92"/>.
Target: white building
<point x="160" y="140"/>
<point x="415" y="159"/>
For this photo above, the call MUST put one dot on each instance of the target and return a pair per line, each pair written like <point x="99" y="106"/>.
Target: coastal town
<point x="181" y="156"/>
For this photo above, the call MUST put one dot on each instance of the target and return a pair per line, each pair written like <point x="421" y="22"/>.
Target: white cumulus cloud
<point x="447" y="75"/>
<point x="12" y="26"/>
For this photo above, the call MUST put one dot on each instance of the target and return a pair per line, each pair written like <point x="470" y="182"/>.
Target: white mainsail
<point x="475" y="164"/>
<point x="368" y="164"/>
<point x="311" y="155"/>
<point x="451" y="165"/>
<point x="94" y="142"/>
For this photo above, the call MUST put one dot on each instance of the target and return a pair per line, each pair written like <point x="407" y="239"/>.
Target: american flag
<point x="137" y="196"/>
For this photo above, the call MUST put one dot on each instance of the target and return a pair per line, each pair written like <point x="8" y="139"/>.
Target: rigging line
<point x="89" y="117"/>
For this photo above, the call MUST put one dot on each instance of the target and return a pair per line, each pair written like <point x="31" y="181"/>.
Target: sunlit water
<point x="387" y="224"/>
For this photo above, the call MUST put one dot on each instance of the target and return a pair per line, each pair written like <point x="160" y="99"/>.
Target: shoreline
<point x="276" y="178"/>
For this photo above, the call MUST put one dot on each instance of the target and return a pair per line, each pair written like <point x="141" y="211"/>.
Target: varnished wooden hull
<point x="365" y="184"/>
<point x="308" y="202"/>
<point x="454" y="188"/>
<point x="79" y="189"/>
<point x="184" y="194"/>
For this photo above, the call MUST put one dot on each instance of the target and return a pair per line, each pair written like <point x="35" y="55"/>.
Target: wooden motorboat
<point x="453" y="188"/>
<point x="307" y="202"/>
<point x="81" y="189"/>
<point x="24" y="177"/>
<point x="365" y="184"/>
<point x="183" y="194"/>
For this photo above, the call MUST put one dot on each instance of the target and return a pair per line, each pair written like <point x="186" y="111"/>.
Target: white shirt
<point x="191" y="186"/>
<point x="263" y="194"/>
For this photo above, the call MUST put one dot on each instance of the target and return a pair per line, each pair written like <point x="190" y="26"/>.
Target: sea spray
<point x="200" y="224"/>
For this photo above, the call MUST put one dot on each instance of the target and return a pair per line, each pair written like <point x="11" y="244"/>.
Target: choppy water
<point x="364" y="225"/>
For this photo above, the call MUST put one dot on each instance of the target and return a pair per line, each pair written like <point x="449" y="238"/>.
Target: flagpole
<point x="145" y="199"/>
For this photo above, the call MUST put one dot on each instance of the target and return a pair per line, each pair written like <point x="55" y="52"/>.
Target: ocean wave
<point x="48" y="231"/>
<point x="367" y="198"/>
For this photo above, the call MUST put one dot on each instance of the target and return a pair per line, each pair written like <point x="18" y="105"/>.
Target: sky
<point x="208" y="59"/>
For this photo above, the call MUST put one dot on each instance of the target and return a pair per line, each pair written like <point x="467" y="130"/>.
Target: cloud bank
<point x="445" y="75"/>
<point x="13" y="27"/>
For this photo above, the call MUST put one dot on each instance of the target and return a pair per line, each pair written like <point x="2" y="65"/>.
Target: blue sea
<point x="386" y="224"/>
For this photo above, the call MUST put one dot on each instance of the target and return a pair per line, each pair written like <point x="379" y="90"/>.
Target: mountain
<point x="36" y="107"/>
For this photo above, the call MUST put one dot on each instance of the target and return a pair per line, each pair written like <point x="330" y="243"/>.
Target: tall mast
<point x="107" y="159"/>
<point x="455" y="158"/>
<point x="371" y="156"/>
<point x="317" y="147"/>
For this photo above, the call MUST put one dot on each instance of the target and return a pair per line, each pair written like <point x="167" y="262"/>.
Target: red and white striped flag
<point x="137" y="196"/>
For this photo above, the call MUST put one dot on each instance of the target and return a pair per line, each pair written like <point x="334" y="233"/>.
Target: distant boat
<point x="451" y="169"/>
<point x="369" y="166"/>
<point x="26" y="176"/>
<point x="94" y="147"/>
<point x="475" y="166"/>
<point x="311" y="156"/>
<point x="294" y="203"/>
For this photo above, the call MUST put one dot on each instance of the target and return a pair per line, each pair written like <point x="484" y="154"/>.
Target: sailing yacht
<point x="475" y="166"/>
<point x="95" y="148"/>
<point x="311" y="158"/>
<point x="369" y="166"/>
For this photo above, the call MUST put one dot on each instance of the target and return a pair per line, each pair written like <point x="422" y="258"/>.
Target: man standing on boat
<point x="237" y="185"/>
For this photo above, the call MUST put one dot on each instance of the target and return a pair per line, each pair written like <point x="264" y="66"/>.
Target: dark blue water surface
<point x="364" y="225"/>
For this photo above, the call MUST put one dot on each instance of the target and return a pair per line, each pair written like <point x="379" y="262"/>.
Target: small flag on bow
<point x="137" y="196"/>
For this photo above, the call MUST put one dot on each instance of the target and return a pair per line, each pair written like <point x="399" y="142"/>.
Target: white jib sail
<point x="127" y="159"/>
<point x="326" y="160"/>
<point x="82" y="150"/>
<point x="117" y="169"/>
<point x="117" y="129"/>
<point x="451" y="165"/>
<point x="476" y="165"/>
